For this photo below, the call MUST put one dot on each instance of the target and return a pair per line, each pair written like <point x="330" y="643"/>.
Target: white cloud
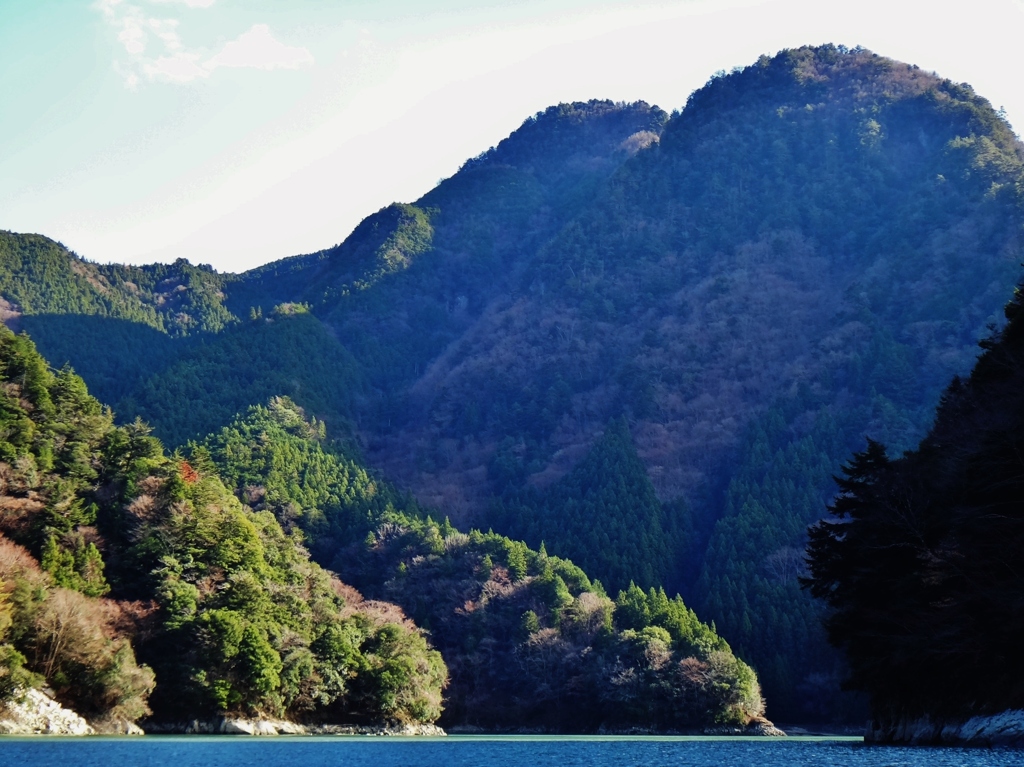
<point x="136" y="30"/>
<point x="257" y="49"/>
<point x="166" y="30"/>
<point x="178" y="68"/>
<point x="107" y="7"/>
<point x="133" y="35"/>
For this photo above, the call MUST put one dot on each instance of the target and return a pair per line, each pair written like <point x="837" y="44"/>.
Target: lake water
<point x="467" y="751"/>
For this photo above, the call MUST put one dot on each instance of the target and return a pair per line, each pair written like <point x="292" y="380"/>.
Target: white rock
<point x="239" y="726"/>
<point x="36" y="713"/>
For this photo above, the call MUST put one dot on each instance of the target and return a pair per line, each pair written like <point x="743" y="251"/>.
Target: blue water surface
<point x="467" y="751"/>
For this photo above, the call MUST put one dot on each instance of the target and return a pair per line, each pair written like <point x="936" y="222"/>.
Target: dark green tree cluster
<point x="289" y="352"/>
<point x="53" y="432"/>
<point x="279" y="461"/>
<point x="603" y="514"/>
<point x="115" y="324"/>
<point x="532" y="642"/>
<point x="53" y="438"/>
<point x="41" y="277"/>
<point x="249" y="624"/>
<point x="754" y="557"/>
<point x="918" y="562"/>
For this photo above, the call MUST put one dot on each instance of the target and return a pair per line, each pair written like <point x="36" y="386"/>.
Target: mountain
<point x="937" y="531"/>
<point x="802" y="255"/>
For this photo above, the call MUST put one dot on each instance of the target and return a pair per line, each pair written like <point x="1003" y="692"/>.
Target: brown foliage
<point x="80" y="644"/>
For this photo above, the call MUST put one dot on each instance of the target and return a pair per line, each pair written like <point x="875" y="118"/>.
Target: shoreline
<point x="276" y="727"/>
<point x="1005" y="728"/>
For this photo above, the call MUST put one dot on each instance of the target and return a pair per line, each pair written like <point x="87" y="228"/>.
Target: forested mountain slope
<point x="110" y="550"/>
<point x="115" y="322"/>
<point x="938" y="532"/>
<point x="811" y="250"/>
<point x="813" y="247"/>
<point x="803" y="255"/>
<point x="529" y="639"/>
<point x="404" y="285"/>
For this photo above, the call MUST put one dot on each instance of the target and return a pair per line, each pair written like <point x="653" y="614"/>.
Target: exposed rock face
<point x="1002" y="729"/>
<point x="240" y="726"/>
<point x="117" y="727"/>
<point x="401" y="730"/>
<point x="36" y="713"/>
<point x="761" y="726"/>
<point x="756" y="726"/>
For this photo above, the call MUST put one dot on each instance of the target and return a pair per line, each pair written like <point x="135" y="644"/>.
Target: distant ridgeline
<point x="213" y="606"/>
<point x="920" y="563"/>
<point x="645" y="341"/>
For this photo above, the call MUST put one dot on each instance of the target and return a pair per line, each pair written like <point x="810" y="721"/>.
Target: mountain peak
<point x="837" y="78"/>
<point x="593" y="128"/>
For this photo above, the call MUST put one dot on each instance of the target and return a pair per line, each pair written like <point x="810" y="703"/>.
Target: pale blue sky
<point x="235" y="132"/>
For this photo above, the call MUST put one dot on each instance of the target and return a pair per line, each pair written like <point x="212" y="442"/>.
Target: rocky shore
<point x="36" y="713"/>
<point x="1002" y="729"/>
<point x="756" y="727"/>
<point x="239" y="726"/>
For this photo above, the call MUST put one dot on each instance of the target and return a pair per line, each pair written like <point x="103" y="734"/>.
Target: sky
<point x="237" y="132"/>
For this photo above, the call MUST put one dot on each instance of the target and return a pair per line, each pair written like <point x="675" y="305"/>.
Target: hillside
<point x="118" y="324"/>
<point x="133" y="584"/>
<point x="138" y="585"/>
<point x="728" y="298"/>
<point x="530" y="641"/>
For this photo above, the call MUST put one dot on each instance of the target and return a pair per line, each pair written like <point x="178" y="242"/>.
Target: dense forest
<point x="919" y="560"/>
<point x="136" y="584"/>
<point x="645" y="341"/>
<point x="603" y="514"/>
<point x="529" y="640"/>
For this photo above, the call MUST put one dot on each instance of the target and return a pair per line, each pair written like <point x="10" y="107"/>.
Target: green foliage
<point x="243" y="615"/>
<point x="80" y="568"/>
<point x="280" y="462"/>
<point x="803" y="255"/>
<point x="63" y="639"/>
<point x="636" y="610"/>
<point x="114" y="323"/>
<point x="41" y="277"/>
<point x="603" y="514"/>
<point x="509" y="621"/>
<point x="290" y="353"/>
<point x="14" y="675"/>
<point x="270" y="632"/>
